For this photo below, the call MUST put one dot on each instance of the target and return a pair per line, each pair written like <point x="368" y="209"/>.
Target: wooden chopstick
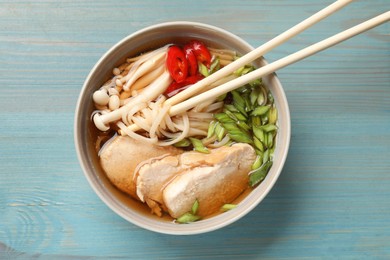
<point x="257" y="53"/>
<point x="272" y="67"/>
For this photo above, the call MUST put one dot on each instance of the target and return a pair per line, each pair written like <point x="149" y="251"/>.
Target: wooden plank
<point x="331" y="200"/>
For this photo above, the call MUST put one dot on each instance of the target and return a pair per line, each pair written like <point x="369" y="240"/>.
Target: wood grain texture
<point x="331" y="201"/>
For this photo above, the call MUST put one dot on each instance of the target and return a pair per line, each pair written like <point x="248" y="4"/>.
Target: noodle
<point x="126" y="117"/>
<point x="136" y="136"/>
<point x="203" y="105"/>
<point x="157" y="120"/>
<point x="199" y="115"/>
<point x="147" y="115"/>
<point x="141" y="122"/>
<point x="215" y="106"/>
<point x="169" y="124"/>
<point x="184" y="133"/>
<point x="170" y="134"/>
<point x="195" y="132"/>
<point x="204" y="125"/>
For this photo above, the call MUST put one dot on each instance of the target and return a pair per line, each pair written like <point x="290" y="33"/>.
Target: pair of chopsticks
<point x="185" y="100"/>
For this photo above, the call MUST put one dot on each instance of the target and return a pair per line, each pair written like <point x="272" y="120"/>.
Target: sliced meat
<point x="214" y="180"/>
<point x="121" y="156"/>
<point x="152" y="178"/>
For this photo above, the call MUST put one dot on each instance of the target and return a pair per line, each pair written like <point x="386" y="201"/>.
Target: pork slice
<point x="121" y="156"/>
<point x="220" y="178"/>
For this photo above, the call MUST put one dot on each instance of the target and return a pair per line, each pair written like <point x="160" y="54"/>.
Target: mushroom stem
<point x="144" y="68"/>
<point x="151" y="92"/>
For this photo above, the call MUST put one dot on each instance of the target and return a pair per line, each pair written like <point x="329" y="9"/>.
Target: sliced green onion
<point x="228" y="207"/>
<point x="246" y="70"/>
<point x="183" y="143"/>
<point x="254" y="95"/>
<point x="256" y="120"/>
<point x="241" y="109"/>
<point x="258" y="162"/>
<point x="231" y="115"/>
<point x="261" y="110"/>
<point x="258" y="152"/>
<point x="243" y="125"/>
<point x="259" y="175"/>
<point x="271" y="153"/>
<point x="195" y="207"/>
<point x="220" y="131"/>
<point x="248" y="105"/>
<point x="198" y="145"/>
<point x="214" y="66"/>
<point x="222" y="97"/>
<point x="242" y="90"/>
<point x="187" y="218"/>
<point x="239" y="71"/>
<point x="259" y="145"/>
<point x="223" y="118"/>
<point x="261" y="99"/>
<point x="264" y="119"/>
<point x="238" y="98"/>
<point x="268" y="128"/>
<point x="251" y="118"/>
<point x="211" y="130"/>
<point x="270" y="97"/>
<point x="270" y="141"/>
<point x="237" y="134"/>
<point x="266" y="156"/>
<point x="203" y="69"/>
<point x="272" y="115"/>
<point x="265" y="142"/>
<point x="239" y="102"/>
<point x="190" y="216"/>
<point x="230" y="107"/>
<point x="240" y="116"/>
<point x="255" y="83"/>
<point x="258" y="132"/>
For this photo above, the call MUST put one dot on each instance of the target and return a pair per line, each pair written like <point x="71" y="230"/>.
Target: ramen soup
<point x="190" y="165"/>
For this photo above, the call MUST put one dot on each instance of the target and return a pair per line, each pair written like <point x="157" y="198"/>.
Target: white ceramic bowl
<point x="145" y="39"/>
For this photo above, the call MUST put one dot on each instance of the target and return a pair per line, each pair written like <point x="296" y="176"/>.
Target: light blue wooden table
<point x="332" y="199"/>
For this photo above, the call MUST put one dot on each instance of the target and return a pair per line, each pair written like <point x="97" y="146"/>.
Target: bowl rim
<point x="204" y="225"/>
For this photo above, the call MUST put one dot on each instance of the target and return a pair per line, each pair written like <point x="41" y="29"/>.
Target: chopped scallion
<point x="268" y="128"/>
<point x="257" y="163"/>
<point x="195" y="207"/>
<point x="260" y="110"/>
<point x="259" y="145"/>
<point x="258" y="175"/>
<point x="203" y="69"/>
<point x="187" y="218"/>
<point x="198" y="145"/>
<point x="227" y="207"/>
<point x="183" y="143"/>
<point x="211" y="130"/>
<point x="219" y="131"/>
<point x="272" y="115"/>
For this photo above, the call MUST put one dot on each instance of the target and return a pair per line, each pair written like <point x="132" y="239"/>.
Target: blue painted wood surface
<point x="331" y="201"/>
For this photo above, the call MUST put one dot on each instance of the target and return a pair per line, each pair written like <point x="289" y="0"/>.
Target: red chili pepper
<point x="192" y="61"/>
<point x="201" y="52"/>
<point x="176" y="87"/>
<point x="177" y="63"/>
